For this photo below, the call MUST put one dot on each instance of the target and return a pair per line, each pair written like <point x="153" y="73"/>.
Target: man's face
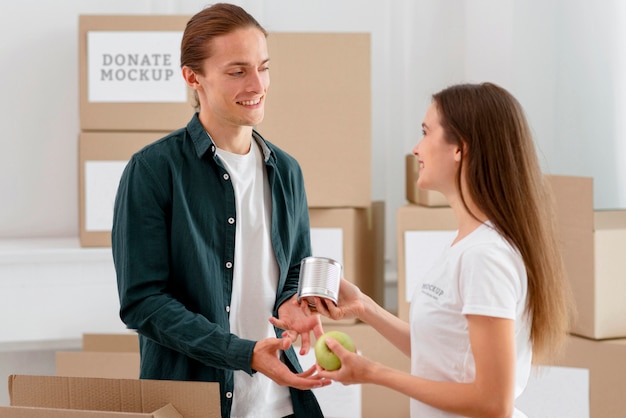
<point x="235" y="81"/>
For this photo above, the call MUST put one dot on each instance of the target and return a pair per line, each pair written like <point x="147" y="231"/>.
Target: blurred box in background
<point x="422" y="233"/>
<point x="355" y="237"/>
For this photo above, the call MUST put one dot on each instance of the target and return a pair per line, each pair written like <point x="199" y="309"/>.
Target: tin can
<point x="319" y="276"/>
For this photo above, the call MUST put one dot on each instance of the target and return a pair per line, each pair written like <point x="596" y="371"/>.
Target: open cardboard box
<point x="52" y="396"/>
<point x="167" y="411"/>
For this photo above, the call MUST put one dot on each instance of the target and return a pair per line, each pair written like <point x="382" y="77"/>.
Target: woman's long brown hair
<point x="505" y="181"/>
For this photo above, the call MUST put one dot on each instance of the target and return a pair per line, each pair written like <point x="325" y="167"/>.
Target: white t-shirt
<point x="255" y="281"/>
<point x="481" y="274"/>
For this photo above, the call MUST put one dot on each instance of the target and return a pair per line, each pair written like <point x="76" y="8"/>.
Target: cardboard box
<point x="607" y="373"/>
<point x="599" y="297"/>
<point x="114" y="365"/>
<point x="374" y="401"/>
<point x="119" y="77"/>
<point x="104" y="355"/>
<point x="593" y="243"/>
<point x="190" y="399"/>
<point x="415" y="194"/>
<point x="123" y="343"/>
<point x="358" y="235"/>
<point x="574" y="206"/>
<point x="329" y="131"/>
<point x="167" y="411"/>
<point x="102" y="157"/>
<point x="419" y="225"/>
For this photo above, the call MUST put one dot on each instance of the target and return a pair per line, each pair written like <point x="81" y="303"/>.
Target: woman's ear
<point x="460" y="151"/>
<point x="190" y="78"/>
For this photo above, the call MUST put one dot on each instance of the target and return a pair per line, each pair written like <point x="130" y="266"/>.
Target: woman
<point x="497" y="300"/>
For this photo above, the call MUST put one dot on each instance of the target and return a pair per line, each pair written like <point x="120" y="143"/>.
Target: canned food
<point x="319" y="276"/>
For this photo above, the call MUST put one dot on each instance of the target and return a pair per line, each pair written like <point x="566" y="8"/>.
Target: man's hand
<point x="297" y="321"/>
<point x="266" y="360"/>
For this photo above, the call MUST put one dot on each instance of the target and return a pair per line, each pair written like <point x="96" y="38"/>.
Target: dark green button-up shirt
<point x="173" y="242"/>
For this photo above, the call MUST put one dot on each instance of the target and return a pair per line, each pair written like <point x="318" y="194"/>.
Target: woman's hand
<point x="354" y="367"/>
<point x="350" y="303"/>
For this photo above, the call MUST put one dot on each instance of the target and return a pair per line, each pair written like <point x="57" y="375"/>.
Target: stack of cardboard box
<point x="321" y="114"/>
<point x="131" y="94"/>
<point x="316" y="110"/>
<point x="593" y="246"/>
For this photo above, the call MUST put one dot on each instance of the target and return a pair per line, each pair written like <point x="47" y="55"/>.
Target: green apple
<point x="326" y="358"/>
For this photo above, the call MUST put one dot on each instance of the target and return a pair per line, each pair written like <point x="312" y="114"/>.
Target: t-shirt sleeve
<point x="491" y="282"/>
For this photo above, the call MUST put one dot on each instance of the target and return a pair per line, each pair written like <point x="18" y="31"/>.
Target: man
<point x="210" y="225"/>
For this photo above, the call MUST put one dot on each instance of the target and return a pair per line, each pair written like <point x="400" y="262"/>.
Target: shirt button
<point x="226" y="176"/>
<point x="231" y="220"/>
<point x="212" y="148"/>
<point x="229" y="264"/>
<point x="228" y="309"/>
<point x="229" y="395"/>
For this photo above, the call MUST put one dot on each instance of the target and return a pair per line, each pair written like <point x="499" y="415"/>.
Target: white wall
<point x="564" y="59"/>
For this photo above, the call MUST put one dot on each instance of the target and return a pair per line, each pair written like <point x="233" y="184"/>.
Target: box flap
<point x="191" y="399"/>
<point x="168" y="411"/>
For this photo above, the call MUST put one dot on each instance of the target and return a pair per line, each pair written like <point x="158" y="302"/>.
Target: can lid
<point x="313" y="259"/>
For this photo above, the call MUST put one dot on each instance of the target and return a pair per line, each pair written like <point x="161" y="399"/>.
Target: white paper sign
<point x="556" y="392"/>
<point x="327" y="242"/>
<point x="421" y="250"/>
<point x="102" y="179"/>
<point x="134" y="67"/>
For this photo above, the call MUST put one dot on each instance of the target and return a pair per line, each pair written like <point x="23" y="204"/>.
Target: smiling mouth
<point x="250" y="102"/>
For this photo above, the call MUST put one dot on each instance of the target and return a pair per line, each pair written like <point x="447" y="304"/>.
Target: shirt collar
<point x="202" y="140"/>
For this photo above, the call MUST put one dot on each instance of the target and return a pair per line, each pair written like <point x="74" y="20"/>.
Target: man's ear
<point x="190" y="77"/>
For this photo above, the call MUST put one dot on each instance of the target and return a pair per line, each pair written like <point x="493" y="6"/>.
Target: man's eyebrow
<point x="244" y="64"/>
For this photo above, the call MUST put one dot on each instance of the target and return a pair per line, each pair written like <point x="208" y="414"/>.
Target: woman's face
<point x="438" y="159"/>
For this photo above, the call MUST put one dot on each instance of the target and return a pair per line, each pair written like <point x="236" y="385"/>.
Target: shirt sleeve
<point x="300" y="233"/>
<point x="491" y="281"/>
<point x="141" y="255"/>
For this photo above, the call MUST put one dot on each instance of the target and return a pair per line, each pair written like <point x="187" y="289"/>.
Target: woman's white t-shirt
<point x="482" y="274"/>
<point x="255" y="281"/>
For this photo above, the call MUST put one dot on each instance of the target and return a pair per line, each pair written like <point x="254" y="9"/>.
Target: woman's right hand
<point x="350" y="303"/>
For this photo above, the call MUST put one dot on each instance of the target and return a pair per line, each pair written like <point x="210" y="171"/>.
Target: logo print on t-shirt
<point x="432" y="291"/>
